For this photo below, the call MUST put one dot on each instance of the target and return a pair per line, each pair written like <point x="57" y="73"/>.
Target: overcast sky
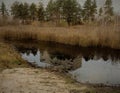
<point x="116" y="3"/>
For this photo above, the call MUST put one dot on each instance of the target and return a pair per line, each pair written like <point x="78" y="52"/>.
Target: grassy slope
<point x="9" y="58"/>
<point x="107" y="36"/>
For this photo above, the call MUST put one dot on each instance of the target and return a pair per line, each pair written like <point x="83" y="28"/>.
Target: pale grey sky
<point x="116" y="3"/>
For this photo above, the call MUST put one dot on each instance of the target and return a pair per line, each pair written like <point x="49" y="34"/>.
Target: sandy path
<point x="27" y="80"/>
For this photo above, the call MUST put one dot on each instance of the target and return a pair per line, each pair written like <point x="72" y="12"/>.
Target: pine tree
<point x="100" y="12"/>
<point x="15" y="10"/>
<point x="3" y="10"/>
<point x="108" y="11"/>
<point x="93" y="10"/>
<point x="25" y="11"/>
<point x="59" y="9"/>
<point x="33" y="11"/>
<point x="40" y="12"/>
<point x="71" y="9"/>
<point x="108" y="8"/>
<point x="59" y="5"/>
<point x="78" y="15"/>
<point x="20" y="11"/>
<point x="50" y="10"/>
<point x="89" y="10"/>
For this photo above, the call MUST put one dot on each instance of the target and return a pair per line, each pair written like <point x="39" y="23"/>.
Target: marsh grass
<point x="85" y="35"/>
<point x="9" y="58"/>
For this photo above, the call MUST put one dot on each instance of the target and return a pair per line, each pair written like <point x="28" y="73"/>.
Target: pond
<point x="85" y="65"/>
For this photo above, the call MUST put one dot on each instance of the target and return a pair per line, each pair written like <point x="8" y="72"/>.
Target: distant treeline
<point x="69" y="11"/>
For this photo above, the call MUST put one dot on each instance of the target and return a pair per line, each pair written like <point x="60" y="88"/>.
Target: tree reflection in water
<point x="94" y="65"/>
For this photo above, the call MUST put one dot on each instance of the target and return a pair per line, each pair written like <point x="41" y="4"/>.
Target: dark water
<point x="86" y="65"/>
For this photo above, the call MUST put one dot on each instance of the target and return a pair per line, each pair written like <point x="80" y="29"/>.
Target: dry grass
<point x="4" y="21"/>
<point x="90" y="35"/>
<point x="9" y="58"/>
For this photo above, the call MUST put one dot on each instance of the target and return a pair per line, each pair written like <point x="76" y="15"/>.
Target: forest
<point x="60" y="12"/>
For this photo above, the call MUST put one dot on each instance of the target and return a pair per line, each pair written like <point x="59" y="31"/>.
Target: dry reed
<point x="90" y="35"/>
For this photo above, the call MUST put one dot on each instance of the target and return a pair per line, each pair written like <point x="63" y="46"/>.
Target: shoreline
<point x="23" y="76"/>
